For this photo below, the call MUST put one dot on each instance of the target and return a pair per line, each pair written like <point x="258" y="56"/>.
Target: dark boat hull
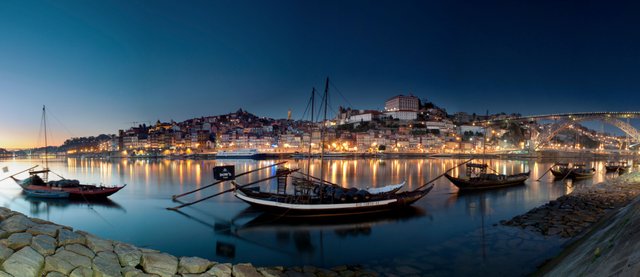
<point x="77" y="191"/>
<point x="270" y="203"/>
<point x="582" y="175"/>
<point x="476" y="185"/>
<point x="616" y="168"/>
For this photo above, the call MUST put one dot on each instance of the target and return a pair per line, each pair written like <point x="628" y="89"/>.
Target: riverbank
<point x="601" y="222"/>
<point x="36" y="247"/>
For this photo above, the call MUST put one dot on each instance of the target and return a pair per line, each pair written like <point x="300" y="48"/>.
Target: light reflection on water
<point x="446" y="233"/>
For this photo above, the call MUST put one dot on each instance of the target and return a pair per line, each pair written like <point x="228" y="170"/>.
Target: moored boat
<point x="72" y="187"/>
<point x="580" y="171"/>
<point x="575" y="172"/>
<point x="319" y="199"/>
<point x="37" y="186"/>
<point x="482" y="180"/>
<point x="619" y="167"/>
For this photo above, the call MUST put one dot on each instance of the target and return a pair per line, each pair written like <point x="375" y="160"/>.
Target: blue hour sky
<point x="100" y="65"/>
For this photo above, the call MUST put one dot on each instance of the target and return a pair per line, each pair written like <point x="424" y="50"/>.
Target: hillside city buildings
<point x="406" y="125"/>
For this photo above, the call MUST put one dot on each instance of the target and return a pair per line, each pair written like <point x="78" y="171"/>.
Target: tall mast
<point x="323" y="131"/>
<point x="313" y="102"/>
<point x="44" y="119"/>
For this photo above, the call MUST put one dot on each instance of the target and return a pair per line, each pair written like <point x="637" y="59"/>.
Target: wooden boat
<point x="41" y="186"/>
<point x="317" y="199"/>
<point x="580" y="171"/>
<point x="51" y="194"/>
<point x="483" y="181"/>
<point x="575" y="172"/>
<point x="619" y="167"/>
<point x="72" y="187"/>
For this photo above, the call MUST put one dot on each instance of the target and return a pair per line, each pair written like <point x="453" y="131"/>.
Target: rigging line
<point x="60" y="122"/>
<point x="306" y="109"/>
<point x="340" y="93"/>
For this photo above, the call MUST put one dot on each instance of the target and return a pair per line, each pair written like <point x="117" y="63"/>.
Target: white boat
<point x="240" y="154"/>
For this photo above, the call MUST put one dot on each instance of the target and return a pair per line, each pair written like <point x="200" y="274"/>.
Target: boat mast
<point x="313" y="102"/>
<point x="323" y="131"/>
<point x="46" y="154"/>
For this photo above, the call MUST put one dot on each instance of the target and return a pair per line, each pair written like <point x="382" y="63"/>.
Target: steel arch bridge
<point x="564" y="120"/>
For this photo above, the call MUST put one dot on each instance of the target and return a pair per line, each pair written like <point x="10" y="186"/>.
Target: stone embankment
<point x="35" y="247"/>
<point x="609" y="249"/>
<point x="571" y="214"/>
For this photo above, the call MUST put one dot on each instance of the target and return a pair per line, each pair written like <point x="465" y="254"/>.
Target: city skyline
<point x="101" y="66"/>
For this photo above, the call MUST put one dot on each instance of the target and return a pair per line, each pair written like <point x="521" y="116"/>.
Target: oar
<point x="18" y="173"/>
<point x="565" y="176"/>
<point x="230" y="190"/>
<point x="545" y="173"/>
<point x="439" y="176"/>
<point x="218" y="182"/>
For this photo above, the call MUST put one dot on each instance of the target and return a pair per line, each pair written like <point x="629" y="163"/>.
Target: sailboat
<point x="37" y="186"/>
<point x="315" y="197"/>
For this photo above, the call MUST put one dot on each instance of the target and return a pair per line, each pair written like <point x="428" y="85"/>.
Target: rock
<point x="55" y="274"/>
<point x="81" y="271"/>
<point x="80" y="249"/>
<point x="270" y="272"/>
<point x="220" y="270"/>
<point x="16" y="224"/>
<point x="193" y="265"/>
<point x="45" y="245"/>
<point x="5" y="213"/>
<point x="44" y="229"/>
<point x="4" y="274"/>
<point x="55" y="263"/>
<point x="26" y="262"/>
<point x="40" y="221"/>
<point x="159" y="263"/>
<point x="110" y="256"/>
<point x="68" y="237"/>
<point x="72" y="258"/>
<point x="106" y="264"/>
<point x="130" y="271"/>
<point x="128" y="255"/>
<point x="245" y="270"/>
<point x="5" y="252"/>
<point x="326" y="273"/>
<point x="97" y="245"/>
<point x="309" y="269"/>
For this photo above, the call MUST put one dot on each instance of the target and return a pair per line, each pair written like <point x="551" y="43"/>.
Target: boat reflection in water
<point x="40" y="206"/>
<point x="297" y="237"/>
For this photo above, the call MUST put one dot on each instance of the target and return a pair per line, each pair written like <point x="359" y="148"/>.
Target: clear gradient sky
<point x="100" y="65"/>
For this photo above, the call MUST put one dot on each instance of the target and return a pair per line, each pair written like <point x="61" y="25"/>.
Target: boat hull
<point x="477" y="185"/>
<point x="269" y="202"/>
<point x="77" y="191"/>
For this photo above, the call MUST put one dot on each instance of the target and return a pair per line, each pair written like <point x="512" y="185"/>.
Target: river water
<point x="445" y="234"/>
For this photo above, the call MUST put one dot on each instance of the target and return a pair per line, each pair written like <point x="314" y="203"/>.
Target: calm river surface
<point x="446" y="234"/>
